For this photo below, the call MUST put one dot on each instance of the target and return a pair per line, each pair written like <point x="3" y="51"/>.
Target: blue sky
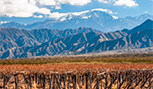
<point x="29" y="11"/>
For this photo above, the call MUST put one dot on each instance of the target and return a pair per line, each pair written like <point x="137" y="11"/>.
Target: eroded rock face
<point x="46" y="42"/>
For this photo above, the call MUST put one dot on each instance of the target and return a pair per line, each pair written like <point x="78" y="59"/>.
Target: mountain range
<point x="96" y="19"/>
<point x="13" y="37"/>
<point x="18" y="43"/>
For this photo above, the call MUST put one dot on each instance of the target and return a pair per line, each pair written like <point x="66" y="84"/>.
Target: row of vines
<point x="89" y="79"/>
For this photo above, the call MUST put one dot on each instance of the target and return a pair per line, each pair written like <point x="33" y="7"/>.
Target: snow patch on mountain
<point x="115" y="17"/>
<point x="2" y="22"/>
<point x="82" y="14"/>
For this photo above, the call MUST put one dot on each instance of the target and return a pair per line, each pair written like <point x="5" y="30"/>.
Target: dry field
<point x="94" y="72"/>
<point x="80" y="68"/>
<point x="77" y="76"/>
<point x="134" y="58"/>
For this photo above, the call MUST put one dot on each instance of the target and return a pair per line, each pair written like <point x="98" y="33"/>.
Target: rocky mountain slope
<point x="13" y="37"/>
<point x="146" y="25"/>
<point x="92" y="41"/>
<point x="137" y="40"/>
<point x="61" y="46"/>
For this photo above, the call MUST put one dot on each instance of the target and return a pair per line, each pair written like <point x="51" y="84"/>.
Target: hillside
<point x="13" y="37"/>
<point x="79" y="41"/>
<point x="62" y="45"/>
<point x="137" y="40"/>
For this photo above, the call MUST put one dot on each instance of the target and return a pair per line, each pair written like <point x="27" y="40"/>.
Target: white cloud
<point x="57" y="15"/>
<point x="146" y="11"/>
<point x="47" y="2"/>
<point x="104" y="10"/>
<point x="104" y="1"/>
<point x="39" y="16"/>
<point x="79" y="13"/>
<point x="128" y="3"/>
<point x="115" y="13"/>
<point x="58" y="6"/>
<point x="71" y="2"/>
<point x="27" y="8"/>
<point x="58" y="2"/>
<point x="74" y="2"/>
<point x="21" y="8"/>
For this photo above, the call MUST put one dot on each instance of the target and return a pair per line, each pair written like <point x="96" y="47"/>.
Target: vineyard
<point x="77" y="76"/>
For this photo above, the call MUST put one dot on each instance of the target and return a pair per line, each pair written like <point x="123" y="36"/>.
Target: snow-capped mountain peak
<point x="115" y="17"/>
<point x="86" y="14"/>
<point x="100" y="19"/>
